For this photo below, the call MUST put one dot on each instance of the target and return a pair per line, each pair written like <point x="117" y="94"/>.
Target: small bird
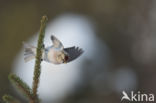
<point x="55" y="54"/>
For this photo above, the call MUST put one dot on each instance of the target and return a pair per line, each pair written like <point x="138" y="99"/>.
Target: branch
<point x="22" y="86"/>
<point x="31" y="94"/>
<point x="37" y="69"/>
<point x="9" y="99"/>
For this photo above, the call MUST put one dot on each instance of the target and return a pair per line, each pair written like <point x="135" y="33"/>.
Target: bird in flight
<point x="55" y="53"/>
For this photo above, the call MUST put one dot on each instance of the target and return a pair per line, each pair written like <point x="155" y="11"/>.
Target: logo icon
<point x="125" y="96"/>
<point x="137" y="96"/>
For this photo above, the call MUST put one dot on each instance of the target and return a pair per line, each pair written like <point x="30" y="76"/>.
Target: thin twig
<point x="21" y="85"/>
<point x="31" y="94"/>
<point x="37" y="69"/>
<point x="9" y="99"/>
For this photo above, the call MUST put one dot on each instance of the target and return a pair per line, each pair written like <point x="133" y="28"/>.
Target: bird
<point x="55" y="54"/>
<point x="125" y="96"/>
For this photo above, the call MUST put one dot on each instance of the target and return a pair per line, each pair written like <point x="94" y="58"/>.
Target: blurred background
<point x="118" y="37"/>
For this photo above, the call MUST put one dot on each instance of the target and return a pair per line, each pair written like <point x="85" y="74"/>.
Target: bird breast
<point x="53" y="56"/>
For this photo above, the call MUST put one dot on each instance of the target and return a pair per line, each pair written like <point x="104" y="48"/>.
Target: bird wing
<point x="56" y="43"/>
<point x="73" y="52"/>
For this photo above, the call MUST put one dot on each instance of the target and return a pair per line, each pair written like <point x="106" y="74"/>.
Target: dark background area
<point x="127" y="27"/>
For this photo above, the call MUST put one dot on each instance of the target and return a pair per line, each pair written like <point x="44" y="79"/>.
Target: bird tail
<point x="29" y="52"/>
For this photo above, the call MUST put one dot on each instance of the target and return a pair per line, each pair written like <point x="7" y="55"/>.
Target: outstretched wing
<point x="73" y="52"/>
<point x="56" y="42"/>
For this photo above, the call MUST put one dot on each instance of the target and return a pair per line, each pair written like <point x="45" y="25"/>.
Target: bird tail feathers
<point x="29" y="52"/>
